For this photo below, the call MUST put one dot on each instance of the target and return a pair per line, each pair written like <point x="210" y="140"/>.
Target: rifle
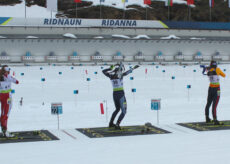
<point x="205" y="68"/>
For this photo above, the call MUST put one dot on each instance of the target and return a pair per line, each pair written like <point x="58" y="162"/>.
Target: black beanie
<point x="213" y="64"/>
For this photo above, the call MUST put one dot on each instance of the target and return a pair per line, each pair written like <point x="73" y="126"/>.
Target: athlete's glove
<point x="112" y="67"/>
<point x="136" y="66"/>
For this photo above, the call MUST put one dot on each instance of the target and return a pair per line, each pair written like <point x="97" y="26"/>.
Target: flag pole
<point x="124" y="11"/>
<point x="25" y="13"/>
<point x="100" y="9"/>
<point x="188" y="12"/>
<point x="25" y="9"/>
<point x="167" y="2"/>
<point x="228" y="3"/>
<point x="146" y="12"/>
<point x="168" y="13"/>
<point x="76" y="10"/>
<point x="210" y="14"/>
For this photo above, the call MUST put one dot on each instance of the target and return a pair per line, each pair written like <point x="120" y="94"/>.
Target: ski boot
<point x="8" y="134"/>
<point x="117" y="127"/>
<point x="208" y="120"/>
<point x="112" y="125"/>
<point x="216" y="122"/>
<point x="3" y="131"/>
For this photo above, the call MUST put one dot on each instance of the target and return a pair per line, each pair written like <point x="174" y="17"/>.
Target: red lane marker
<point x="69" y="134"/>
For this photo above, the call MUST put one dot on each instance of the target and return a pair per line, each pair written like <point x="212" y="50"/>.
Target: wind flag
<point x="147" y="2"/>
<point x="123" y="1"/>
<point x="102" y="0"/>
<point x="77" y="1"/>
<point x="51" y="5"/>
<point x="190" y="2"/>
<point x="168" y="2"/>
<point x="211" y="3"/>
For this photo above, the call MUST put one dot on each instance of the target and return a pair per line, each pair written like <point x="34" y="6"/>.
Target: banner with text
<point x="61" y="22"/>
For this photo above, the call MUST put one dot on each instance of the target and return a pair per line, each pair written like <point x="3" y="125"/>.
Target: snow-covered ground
<point x="83" y="110"/>
<point x="41" y="12"/>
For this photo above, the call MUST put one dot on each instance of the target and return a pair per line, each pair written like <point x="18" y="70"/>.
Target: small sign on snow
<point x="56" y="108"/>
<point x="156" y="104"/>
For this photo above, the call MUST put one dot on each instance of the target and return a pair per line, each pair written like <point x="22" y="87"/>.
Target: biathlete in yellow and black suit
<point x="213" y="72"/>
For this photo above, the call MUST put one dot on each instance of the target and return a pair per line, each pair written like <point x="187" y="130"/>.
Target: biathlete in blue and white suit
<point x="115" y="73"/>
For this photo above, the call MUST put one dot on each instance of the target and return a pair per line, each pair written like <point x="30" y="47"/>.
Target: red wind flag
<point x="190" y="2"/>
<point x="102" y="108"/>
<point x="147" y="2"/>
<point x="77" y="1"/>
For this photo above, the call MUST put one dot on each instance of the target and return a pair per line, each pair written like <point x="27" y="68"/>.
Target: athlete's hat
<point x="213" y="64"/>
<point x="7" y="69"/>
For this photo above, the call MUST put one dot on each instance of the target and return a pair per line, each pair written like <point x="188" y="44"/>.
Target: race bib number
<point x="117" y="83"/>
<point x="214" y="79"/>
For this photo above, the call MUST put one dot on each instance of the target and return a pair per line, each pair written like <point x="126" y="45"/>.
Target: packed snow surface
<point x="69" y="35"/>
<point x="178" y="105"/>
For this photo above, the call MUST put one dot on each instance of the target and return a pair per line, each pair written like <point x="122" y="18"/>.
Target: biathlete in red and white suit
<point x="5" y="96"/>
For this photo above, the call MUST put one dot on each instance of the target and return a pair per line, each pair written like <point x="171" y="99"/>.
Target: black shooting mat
<point x="125" y="131"/>
<point x="203" y="126"/>
<point x="28" y="136"/>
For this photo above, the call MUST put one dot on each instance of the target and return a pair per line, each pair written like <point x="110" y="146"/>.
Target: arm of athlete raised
<point x="106" y="72"/>
<point x="12" y="79"/>
<point x="130" y="70"/>
<point x="219" y="72"/>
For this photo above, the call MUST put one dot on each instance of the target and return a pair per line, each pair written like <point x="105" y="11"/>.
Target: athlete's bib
<point x="214" y="79"/>
<point x="117" y="84"/>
